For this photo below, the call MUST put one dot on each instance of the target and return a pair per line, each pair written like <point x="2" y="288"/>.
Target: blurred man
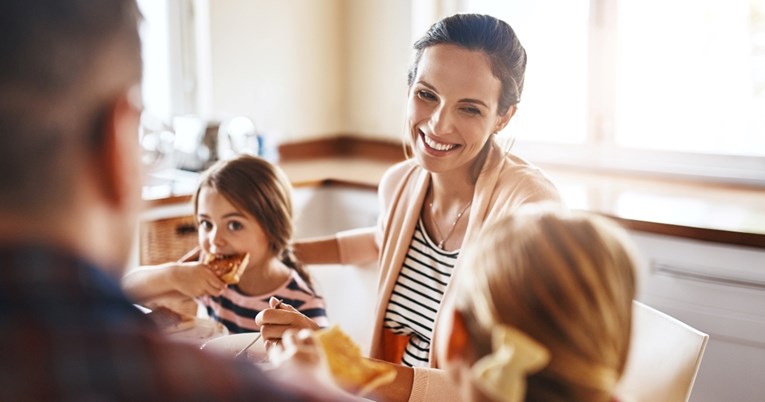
<point x="70" y="73"/>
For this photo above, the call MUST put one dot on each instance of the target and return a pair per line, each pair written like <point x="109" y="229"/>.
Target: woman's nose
<point x="440" y="121"/>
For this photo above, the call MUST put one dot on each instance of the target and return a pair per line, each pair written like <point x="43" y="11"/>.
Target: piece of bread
<point x="169" y="320"/>
<point x="228" y="268"/>
<point x="350" y="370"/>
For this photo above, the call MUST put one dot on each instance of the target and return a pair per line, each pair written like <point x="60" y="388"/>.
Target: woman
<point x="464" y="87"/>
<point x="545" y="312"/>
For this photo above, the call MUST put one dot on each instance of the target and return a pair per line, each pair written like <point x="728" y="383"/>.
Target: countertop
<point x="721" y="213"/>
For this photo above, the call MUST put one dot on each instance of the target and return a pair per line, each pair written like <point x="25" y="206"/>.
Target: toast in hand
<point x="228" y="268"/>
<point x="350" y="370"/>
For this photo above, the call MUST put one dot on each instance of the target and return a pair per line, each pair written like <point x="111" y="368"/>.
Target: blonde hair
<point x="566" y="280"/>
<point x="262" y="190"/>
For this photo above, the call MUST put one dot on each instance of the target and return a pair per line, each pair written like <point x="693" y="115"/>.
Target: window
<point x="167" y="39"/>
<point x="670" y="86"/>
<point x="155" y="38"/>
<point x="168" y="135"/>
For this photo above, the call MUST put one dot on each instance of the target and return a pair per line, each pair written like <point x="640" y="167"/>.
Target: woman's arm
<point x="356" y="246"/>
<point x="399" y="389"/>
<point x="317" y="250"/>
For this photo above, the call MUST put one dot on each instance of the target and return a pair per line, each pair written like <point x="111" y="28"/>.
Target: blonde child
<point x="545" y="313"/>
<point x="242" y="205"/>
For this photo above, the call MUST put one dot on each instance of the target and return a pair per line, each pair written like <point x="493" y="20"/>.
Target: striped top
<point x="237" y="310"/>
<point x="417" y="295"/>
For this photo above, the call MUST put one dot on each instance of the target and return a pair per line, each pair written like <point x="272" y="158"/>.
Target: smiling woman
<point x="464" y="85"/>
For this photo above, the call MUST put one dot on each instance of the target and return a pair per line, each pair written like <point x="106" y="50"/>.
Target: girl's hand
<point x="195" y="279"/>
<point x="274" y="322"/>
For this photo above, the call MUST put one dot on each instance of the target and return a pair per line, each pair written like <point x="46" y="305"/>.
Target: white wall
<point x="308" y="69"/>
<point x="379" y="50"/>
<point x="278" y="62"/>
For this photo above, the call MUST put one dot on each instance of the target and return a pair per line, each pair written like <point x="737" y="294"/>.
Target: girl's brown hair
<point x="566" y="280"/>
<point x="262" y="190"/>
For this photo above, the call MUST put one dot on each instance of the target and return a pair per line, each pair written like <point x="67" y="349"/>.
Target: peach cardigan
<point x="506" y="183"/>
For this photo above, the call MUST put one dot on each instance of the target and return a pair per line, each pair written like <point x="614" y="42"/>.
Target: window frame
<point x="600" y="152"/>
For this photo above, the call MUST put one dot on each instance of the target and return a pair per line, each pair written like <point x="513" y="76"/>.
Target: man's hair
<point x="63" y="64"/>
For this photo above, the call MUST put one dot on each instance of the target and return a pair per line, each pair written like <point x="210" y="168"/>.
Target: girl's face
<point x="452" y="107"/>
<point x="225" y="230"/>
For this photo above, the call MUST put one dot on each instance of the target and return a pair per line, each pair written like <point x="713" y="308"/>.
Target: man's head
<point x="69" y="107"/>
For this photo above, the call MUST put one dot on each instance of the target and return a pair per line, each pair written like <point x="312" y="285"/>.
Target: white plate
<point x="203" y="330"/>
<point x="229" y="345"/>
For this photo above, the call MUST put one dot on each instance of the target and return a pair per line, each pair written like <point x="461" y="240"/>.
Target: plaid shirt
<point x="68" y="333"/>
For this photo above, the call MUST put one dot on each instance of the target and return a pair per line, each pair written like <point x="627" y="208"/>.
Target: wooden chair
<point x="665" y="355"/>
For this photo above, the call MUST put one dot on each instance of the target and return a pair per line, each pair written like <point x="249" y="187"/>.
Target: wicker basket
<point x="166" y="240"/>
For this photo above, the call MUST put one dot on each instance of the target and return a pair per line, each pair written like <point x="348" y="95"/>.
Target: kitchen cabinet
<point x="350" y="291"/>
<point x="720" y="290"/>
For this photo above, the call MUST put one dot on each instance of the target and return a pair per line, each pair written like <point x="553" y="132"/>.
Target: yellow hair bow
<point x="502" y="373"/>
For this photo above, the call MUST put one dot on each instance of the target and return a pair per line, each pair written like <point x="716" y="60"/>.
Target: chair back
<point x="665" y="355"/>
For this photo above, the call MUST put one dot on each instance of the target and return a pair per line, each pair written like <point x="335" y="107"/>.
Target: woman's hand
<point x="275" y="321"/>
<point x="195" y="279"/>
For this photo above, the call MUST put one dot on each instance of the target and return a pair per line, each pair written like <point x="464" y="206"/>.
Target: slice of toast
<point x="352" y="371"/>
<point x="228" y="268"/>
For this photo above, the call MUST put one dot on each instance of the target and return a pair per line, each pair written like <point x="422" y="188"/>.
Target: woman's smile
<point x="434" y="146"/>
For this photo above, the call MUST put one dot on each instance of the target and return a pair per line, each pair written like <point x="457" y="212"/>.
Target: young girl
<point x="242" y="205"/>
<point x="545" y="313"/>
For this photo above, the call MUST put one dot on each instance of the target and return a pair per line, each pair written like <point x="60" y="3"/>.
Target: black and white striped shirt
<point x="417" y="295"/>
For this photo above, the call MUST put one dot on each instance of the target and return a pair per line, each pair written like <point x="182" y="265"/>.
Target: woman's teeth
<point x="437" y="145"/>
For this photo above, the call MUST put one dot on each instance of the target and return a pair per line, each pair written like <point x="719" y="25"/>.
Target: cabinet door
<point x="720" y="290"/>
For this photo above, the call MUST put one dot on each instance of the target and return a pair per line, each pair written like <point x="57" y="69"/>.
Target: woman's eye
<point x="425" y="95"/>
<point x="205" y="225"/>
<point x="473" y="111"/>
<point x="234" y="225"/>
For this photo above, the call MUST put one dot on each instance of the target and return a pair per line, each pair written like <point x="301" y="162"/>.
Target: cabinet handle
<point x="185" y="229"/>
<point x="684" y="273"/>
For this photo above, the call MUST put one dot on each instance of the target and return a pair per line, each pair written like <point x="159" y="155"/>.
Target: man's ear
<point x="119" y="158"/>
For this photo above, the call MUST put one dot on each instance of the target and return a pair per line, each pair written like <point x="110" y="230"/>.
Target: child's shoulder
<point x="297" y="283"/>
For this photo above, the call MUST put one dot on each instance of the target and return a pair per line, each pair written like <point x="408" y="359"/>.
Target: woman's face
<point x="225" y="230"/>
<point x="452" y="107"/>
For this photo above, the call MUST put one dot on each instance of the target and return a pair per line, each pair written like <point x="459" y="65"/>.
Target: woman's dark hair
<point x="260" y="189"/>
<point x="489" y="35"/>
